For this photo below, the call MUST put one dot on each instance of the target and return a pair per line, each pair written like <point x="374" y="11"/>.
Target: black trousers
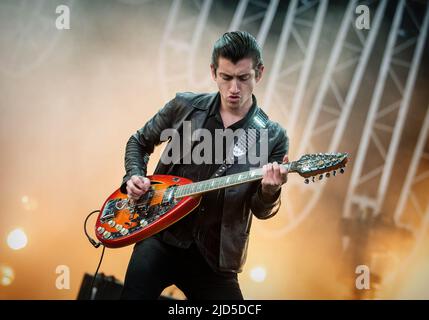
<point x="155" y="265"/>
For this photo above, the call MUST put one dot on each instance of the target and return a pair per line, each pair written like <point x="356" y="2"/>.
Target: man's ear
<point x="213" y="71"/>
<point x="259" y="73"/>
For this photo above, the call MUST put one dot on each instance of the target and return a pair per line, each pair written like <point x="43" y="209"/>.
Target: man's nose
<point x="234" y="86"/>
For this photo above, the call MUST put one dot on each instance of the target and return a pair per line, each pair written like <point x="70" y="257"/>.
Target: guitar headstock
<point x="316" y="164"/>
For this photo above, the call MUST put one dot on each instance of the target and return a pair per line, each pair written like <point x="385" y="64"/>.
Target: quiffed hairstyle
<point x="237" y="45"/>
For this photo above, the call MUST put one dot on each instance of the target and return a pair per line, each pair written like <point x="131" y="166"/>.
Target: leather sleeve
<point x="260" y="207"/>
<point x="141" y="144"/>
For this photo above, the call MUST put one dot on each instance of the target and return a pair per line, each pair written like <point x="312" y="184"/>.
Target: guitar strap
<point x="245" y="141"/>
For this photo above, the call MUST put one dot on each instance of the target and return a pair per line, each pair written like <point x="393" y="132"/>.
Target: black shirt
<point x="203" y="225"/>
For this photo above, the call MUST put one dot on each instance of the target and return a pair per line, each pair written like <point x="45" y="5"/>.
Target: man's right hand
<point x="137" y="186"/>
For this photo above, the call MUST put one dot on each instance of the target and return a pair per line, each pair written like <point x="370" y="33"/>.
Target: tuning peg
<point x="334" y="172"/>
<point x="321" y="177"/>
<point x="327" y="174"/>
<point x="342" y="170"/>
<point x="307" y="181"/>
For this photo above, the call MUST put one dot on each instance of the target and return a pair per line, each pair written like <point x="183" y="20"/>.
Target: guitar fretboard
<point x="219" y="183"/>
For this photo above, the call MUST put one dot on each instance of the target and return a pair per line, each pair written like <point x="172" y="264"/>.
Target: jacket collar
<point x="204" y="102"/>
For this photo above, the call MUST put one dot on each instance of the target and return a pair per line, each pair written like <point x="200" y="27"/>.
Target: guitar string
<point x="159" y="192"/>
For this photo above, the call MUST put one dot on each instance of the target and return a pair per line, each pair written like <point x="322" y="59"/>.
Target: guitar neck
<point x="200" y="187"/>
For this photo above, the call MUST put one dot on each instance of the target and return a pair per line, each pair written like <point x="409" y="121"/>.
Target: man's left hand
<point x="274" y="176"/>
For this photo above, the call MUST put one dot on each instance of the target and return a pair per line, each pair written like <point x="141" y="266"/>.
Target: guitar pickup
<point x="168" y="196"/>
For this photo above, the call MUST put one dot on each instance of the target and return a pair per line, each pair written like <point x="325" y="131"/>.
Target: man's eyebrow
<point x="239" y="75"/>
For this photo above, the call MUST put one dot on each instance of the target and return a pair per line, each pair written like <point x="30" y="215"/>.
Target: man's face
<point x="236" y="82"/>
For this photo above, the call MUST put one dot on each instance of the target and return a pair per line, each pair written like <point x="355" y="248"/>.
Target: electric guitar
<point x="122" y="221"/>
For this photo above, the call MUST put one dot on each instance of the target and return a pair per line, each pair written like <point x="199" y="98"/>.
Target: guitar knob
<point x="143" y="222"/>
<point x="111" y="223"/>
<point x="118" y="227"/>
<point x="306" y="181"/>
<point x="334" y="173"/>
<point x="342" y="170"/>
<point x="100" y="230"/>
<point x="327" y="174"/>
<point x="312" y="179"/>
<point x="106" y="234"/>
<point x="321" y="177"/>
<point x="124" y="231"/>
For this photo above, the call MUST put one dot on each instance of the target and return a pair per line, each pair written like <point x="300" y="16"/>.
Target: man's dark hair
<point x="237" y="45"/>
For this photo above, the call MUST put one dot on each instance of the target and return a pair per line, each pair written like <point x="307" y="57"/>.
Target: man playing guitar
<point x="203" y="252"/>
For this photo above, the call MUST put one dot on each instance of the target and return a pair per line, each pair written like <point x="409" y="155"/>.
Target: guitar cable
<point x="92" y="241"/>
<point x="96" y="245"/>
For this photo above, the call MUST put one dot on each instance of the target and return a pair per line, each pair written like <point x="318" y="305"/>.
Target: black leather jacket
<point x="239" y="201"/>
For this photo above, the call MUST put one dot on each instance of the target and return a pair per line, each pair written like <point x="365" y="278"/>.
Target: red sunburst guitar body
<point x="120" y="224"/>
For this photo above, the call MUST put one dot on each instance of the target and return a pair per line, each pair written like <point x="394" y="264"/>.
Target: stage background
<point x="70" y="99"/>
